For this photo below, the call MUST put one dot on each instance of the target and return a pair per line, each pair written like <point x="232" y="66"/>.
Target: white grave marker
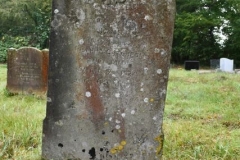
<point x="226" y="65"/>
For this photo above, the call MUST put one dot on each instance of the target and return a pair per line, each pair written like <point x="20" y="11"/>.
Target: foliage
<point x="7" y="93"/>
<point x="39" y="13"/>
<point x="198" y="26"/>
<point x="11" y="42"/>
<point x="232" y="46"/>
<point x="25" y="18"/>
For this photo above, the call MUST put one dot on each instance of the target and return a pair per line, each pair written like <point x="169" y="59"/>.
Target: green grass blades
<point x="202" y="116"/>
<point x="201" y="121"/>
<point x="21" y="124"/>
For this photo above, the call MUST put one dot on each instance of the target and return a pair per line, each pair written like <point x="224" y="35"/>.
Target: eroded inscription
<point x="112" y="2"/>
<point x="28" y="72"/>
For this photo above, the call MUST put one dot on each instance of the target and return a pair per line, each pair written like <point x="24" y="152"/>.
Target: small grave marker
<point x="27" y="71"/>
<point x="226" y="65"/>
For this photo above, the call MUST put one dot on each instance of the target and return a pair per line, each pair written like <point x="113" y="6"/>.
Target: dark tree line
<point x="199" y="25"/>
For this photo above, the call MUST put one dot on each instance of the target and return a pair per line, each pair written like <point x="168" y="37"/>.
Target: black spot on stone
<point x="92" y="153"/>
<point x="60" y="145"/>
<point x="83" y="150"/>
<point x="103" y="132"/>
<point x="101" y="149"/>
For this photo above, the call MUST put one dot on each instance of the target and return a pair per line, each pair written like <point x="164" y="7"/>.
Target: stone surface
<point x="109" y="62"/>
<point x="27" y="70"/>
<point x="237" y="71"/>
<point x="226" y="65"/>
<point x="206" y="71"/>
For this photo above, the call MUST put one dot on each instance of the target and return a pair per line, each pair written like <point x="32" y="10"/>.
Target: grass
<point x="201" y="121"/>
<point x="21" y="124"/>
<point x="202" y="116"/>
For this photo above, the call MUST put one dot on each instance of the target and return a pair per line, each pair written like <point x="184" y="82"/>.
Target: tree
<point x="232" y="31"/>
<point x="24" y="23"/>
<point x="26" y="18"/>
<point x="198" y="26"/>
<point x="39" y="12"/>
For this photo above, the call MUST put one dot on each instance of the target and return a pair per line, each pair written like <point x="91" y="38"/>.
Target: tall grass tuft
<point x="21" y="123"/>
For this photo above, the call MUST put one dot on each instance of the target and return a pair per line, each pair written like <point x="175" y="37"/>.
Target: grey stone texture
<point x="109" y="62"/>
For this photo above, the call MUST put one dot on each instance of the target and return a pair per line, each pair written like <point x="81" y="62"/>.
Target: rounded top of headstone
<point x="45" y="50"/>
<point x="27" y="48"/>
<point x="12" y="49"/>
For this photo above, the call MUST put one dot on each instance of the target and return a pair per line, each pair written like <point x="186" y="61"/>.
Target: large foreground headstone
<point x="109" y="62"/>
<point x="27" y="70"/>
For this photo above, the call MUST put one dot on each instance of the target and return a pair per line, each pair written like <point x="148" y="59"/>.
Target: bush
<point x="7" y="42"/>
<point x="7" y="93"/>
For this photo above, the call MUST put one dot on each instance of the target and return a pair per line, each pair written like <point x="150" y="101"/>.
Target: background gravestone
<point x="226" y="65"/>
<point x="215" y="63"/>
<point x="27" y="70"/>
<point x="189" y="65"/>
<point x="109" y="62"/>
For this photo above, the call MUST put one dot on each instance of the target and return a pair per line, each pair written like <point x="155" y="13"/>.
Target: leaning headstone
<point x="226" y="65"/>
<point x="27" y="71"/>
<point x="109" y="62"/>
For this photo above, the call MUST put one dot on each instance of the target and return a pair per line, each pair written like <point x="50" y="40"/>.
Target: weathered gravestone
<point x="27" y="71"/>
<point x="109" y="62"/>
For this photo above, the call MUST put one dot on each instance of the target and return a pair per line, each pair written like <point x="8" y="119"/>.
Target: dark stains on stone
<point x="92" y="153"/>
<point x="60" y="145"/>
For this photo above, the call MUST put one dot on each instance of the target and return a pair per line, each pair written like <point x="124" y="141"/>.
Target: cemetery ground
<point x="202" y="118"/>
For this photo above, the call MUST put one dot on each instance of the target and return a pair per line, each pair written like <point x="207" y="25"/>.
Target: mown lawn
<point x="202" y="116"/>
<point x="202" y="119"/>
